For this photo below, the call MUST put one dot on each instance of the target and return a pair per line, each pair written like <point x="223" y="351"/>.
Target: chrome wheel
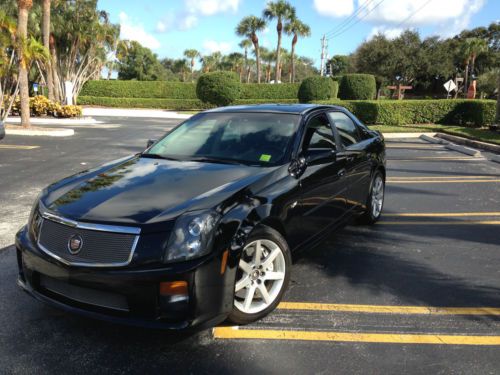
<point x="260" y="278"/>
<point x="377" y="196"/>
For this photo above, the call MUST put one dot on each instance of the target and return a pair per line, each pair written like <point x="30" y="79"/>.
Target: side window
<point x="318" y="135"/>
<point x="346" y="128"/>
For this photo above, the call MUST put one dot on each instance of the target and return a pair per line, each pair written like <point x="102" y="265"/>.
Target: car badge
<point x="75" y="244"/>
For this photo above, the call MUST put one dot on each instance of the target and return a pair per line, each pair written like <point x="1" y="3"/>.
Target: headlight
<point x="193" y="236"/>
<point x="35" y="219"/>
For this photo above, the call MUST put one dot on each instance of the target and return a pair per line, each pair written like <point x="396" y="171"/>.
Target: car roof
<point x="301" y="109"/>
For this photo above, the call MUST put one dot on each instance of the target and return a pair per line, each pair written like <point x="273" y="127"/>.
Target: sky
<point x="169" y="27"/>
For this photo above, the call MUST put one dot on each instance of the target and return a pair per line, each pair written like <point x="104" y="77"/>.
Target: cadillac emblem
<point x="75" y="244"/>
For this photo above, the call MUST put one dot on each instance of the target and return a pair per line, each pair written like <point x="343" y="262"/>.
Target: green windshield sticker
<point x="265" y="157"/>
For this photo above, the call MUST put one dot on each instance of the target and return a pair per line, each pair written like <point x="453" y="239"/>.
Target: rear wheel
<point x="262" y="277"/>
<point x="375" y="201"/>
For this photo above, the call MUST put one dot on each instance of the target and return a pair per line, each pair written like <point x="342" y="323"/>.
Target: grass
<point x="479" y="134"/>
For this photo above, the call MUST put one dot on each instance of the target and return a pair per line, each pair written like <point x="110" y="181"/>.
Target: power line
<point x="413" y="14"/>
<point x="340" y="32"/>
<point x="350" y="18"/>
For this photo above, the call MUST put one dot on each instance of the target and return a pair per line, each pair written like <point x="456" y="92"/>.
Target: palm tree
<point x="297" y="28"/>
<point x="191" y="54"/>
<point x="234" y="62"/>
<point x="23" y="8"/>
<point x="266" y="57"/>
<point x="245" y="44"/>
<point x="9" y="86"/>
<point x="248" y="27"/>
<point x="46" y="41"/>
<point x="283" y="11"/>
<point x="477" y="46"/>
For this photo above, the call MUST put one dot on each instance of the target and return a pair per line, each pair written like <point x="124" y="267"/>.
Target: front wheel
<point x="262" y="277"/>
<point x="375" y="200"/>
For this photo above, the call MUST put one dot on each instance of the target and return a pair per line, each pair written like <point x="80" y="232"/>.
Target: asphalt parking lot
<point x="419" y="292"/>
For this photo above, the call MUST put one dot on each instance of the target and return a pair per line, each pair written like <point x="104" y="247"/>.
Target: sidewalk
<point x="123" y="112"/>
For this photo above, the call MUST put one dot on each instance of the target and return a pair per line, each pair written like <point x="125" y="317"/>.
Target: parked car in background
<point x="200" y="227"/>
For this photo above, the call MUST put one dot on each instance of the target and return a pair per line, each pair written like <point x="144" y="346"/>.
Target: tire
<point x="374" y="206"/>
<point x="273" y="277"/>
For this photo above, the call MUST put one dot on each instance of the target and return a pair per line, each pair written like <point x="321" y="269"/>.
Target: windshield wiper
<point x="209" y="159"/>
<point x="157" y="156"/>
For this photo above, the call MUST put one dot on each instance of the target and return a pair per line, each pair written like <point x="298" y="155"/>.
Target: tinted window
<point x="346" y="128"/>
<point x="318" y="134"/>
<point x="254" y="138"/>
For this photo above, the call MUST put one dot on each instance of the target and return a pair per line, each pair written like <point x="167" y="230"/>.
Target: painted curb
<point x="431" y="139"/>
<point x="470" y="142"/>
<point x="55" y="121"/>
<point x="463" y="150"/>
<point x="47" y="133"/>
<point x="405" y="135"/>
<point x="123" y="112"/>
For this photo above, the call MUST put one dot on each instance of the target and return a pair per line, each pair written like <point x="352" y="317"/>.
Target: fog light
<point x="173" y="292"/>
<point x="174" y="288"/>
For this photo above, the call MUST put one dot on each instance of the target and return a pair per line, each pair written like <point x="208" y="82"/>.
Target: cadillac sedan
<point x="200" y="227"/>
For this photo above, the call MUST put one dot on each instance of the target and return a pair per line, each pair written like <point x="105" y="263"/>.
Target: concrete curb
<point x="406" y="135"/>
<point x="463" y="150"/>
<point x="431" y="139"/>
<point x="124" y="112"/>
<point x="496" y="158"/>
<point x="470" y="142"/>
<point x="47" y="133"/>
<point x="55" y="121"/>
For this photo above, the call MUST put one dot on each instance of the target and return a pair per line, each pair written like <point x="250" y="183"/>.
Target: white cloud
<point x="211" y="46"/>
<point x="135" y="31"/>
<point x="193" y="9"/>
<point x="338" y="8"/>
<point x="211" y="7"/>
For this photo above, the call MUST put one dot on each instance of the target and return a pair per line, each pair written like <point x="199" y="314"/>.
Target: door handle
<point x="349" y="158"/>
<point x="341" y="172"/>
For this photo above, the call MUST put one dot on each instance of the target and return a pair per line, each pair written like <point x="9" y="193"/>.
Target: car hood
<point x="146" y="191"/>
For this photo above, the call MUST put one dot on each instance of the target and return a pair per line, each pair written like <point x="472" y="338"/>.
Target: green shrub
<point x="357" y="87"/>
<point x="218" y="88"/>
<point x="172" y="104"/>
<point x="316" y="88"/>
<point x="140" y="89"/>
<point x="472" y="113"/>
<point x="269" y="91"/>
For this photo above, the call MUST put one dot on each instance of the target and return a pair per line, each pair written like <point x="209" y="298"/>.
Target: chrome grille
<point x="99" y="248"/>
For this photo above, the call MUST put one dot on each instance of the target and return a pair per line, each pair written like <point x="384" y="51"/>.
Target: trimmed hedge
<point x="219" y="88"/>
<point x="317" y="88"/>
<point x="473" y="113"/>
<point x="269" y="91"/>
<point x="357" y="87"/>
<point x="140" y="89"/>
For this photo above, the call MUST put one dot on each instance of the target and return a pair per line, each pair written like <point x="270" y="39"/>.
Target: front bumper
<point x="210" y="288"/>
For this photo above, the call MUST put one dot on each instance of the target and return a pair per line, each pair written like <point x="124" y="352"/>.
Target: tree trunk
<point x="21" y="35"/>
<point x="279" y="28"/>
<point x="247" y="68"/>
<point x="466" y="86"/>
<point x="292" y="56"/>
<point x="249" y="71"/>
<point x="472" y="66"/>
<point x="255" y="41"/>
<point x="53" y="64"/>
<point x="498" y="100"/>
<point x="46" y="44"/>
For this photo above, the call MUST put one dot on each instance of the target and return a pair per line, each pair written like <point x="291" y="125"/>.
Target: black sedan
<point x="200" y="227"/>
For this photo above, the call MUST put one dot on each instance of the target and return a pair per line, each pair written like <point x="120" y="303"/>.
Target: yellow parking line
<point x="454" y="177"/>
<point x="381" y="309"/>
<point x="461" y="222"/>
<point x="437" y="182"/>
<point x="396" y="338"/>
<point x="444" y="214"/>
<point x="18" y="147"/>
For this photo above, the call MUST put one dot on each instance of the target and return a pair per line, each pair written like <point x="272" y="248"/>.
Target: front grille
<point x="98" y="248"/>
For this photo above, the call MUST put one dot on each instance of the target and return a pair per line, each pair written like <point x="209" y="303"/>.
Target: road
<point x="417" y="293"/>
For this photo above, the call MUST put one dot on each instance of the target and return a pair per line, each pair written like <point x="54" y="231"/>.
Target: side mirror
<point x="150" y="143"/>
<point x="297" y="166"/>
<point x="319" y="156"/>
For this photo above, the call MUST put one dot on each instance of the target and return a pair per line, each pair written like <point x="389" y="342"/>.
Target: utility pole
<point x="323" y="53"/>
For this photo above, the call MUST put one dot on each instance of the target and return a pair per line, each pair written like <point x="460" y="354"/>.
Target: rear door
<point x="353" y="153"/>
<point x="323" y="186"/>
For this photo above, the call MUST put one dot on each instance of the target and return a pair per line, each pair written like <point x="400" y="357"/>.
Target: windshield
<point x="248" y="138"/>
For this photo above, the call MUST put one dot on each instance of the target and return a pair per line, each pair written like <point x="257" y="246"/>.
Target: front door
<point x="323" y="199"/>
